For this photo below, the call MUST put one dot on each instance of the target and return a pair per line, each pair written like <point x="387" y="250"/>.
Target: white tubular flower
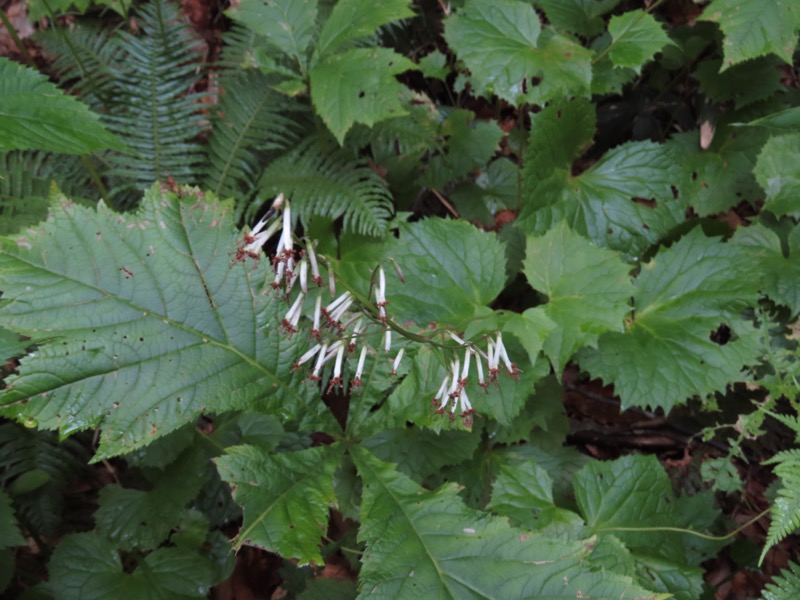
<point x="312" y="259"/>
<point x="360" y="368"/>
<point x="303" y="268"/>
<point x="380" y="296"/>
<point x="501" y="352"/>
<point x="287" y="244"/>
<point x="336" y="380"/>
<point x="465" y="369"/>
<point x="307" y="356"/>
<point x="354" y="336"/>
<point x="456" y="339"/>
<point x="397" y="360"/>
<point x="466" y="406"/>
<point x="331" y="282"/>
<point x="292" y="317"/>
<point x="492" y="361"/>
<point x="441" y="398"/>
<point x="257" y="238"/>
<point x="455" y="366"/>
<point x="320" y="361"/>
<point x="339" y="311"/>
<point x="479" y="366"/>
<point x="277" y="204"/>
<point x="387" y="342"/>
<point x="315" y="328"/>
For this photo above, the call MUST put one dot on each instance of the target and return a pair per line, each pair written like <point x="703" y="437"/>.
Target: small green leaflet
<point x="358" y="86"/>
<point x="429" y="544"/>
<point x="778" y="173"/>
<point x="286" y="497"/>
<point x="682" y="297"/>
<point x="35" y="114"/>
<point x="142" y="322"/>
<point x="287" y="25"/>
<point x="501" y="43"/>
<point x="787" y="120"/>
<point x="755" y="28"/>
<point x="588" y="290"/>
<point x="9" y="532"/>
<point x="605" y="202"/>
<point x="636" y="37"/>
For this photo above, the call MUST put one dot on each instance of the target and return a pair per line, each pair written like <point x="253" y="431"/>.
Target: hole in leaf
<point x="721" y="335"/>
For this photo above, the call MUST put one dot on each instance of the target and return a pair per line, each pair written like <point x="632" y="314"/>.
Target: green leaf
<point x="521" y="491"/>
<point x="9" y="532"/>
<point x="451" y="269"/>
<point x="532" y="328"/>
<point x="744" y="83"/>
<point x="604" y="203"/>
<point x="682" y="297"/>
<point x="418" y="452"/>
<point x="777" y="170"/>
<point x="137" y="519"/>
<point x="287" y="25"/>
<point x="636" y="37"/>
<point x="10" y="344"/>
<point x="160" y="329"/>
<point x="785" y="120"/>
<point x="85" y="566"/>
<point x="471" y="143"/>
<point x="352" y="20"/>
<point x="358" y="86"/>
<point x="36" y="114"/>
<point x="499" y="42"/>
<point x="784" y="586"/>
<point x="583" y="17"/>
<point x="588" y="290"/>
<point x="786" y="507"/>
<point x="285" y="497"/>
<point x="633" y="492"/>
<point x="423" y="544"/>
<point x="720" y="177"/>
<point x="753" y="28"/>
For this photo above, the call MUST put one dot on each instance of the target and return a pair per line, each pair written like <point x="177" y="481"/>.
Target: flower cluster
<point x="453" y="387"/>
<point x="339" y="326"/>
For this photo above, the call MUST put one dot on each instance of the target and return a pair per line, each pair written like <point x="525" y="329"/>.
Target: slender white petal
<point x="501" y="350"/>
<point x="317" y="313"/>
<point x="382" y="284"/>
<point x="465" y="370"/>
<point x="312" y="258"/>
<point x="479" y="366"/>
<point x="397" y="360"/>
<point x="361" y="359"/>
<point x="466" y="405"/>
<point x="304" y="275"/>
<point x="337" y="366"/>
<point x="387" y="344"/>
<point x="278" y="202"/>
<point x="337" y="314"/>
<point x="333" y="305"/>
<point x="331" y="282"/>
<point x="320" y="361"/>
<point x="309" y="355"/>
<point x="456" y="339"/>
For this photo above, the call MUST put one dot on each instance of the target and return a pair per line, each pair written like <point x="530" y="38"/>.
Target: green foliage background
<point x="649" y="163"/>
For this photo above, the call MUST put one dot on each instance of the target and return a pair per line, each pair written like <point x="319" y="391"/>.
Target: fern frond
<point x="26" y="178"/>
<point x="86" y="60"/>
<point x="36" y="469"/>
<point x="153" y="108"/>
<point x="785" y="586"/>
<point x="786" y="508"/>
<point x="325" y="180"/>
<point x="249" y="125"/>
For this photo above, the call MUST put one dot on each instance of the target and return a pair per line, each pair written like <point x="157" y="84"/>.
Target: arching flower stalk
<point x="340" y="324"/>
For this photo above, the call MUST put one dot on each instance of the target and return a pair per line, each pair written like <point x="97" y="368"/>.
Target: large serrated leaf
<point x="499" y="41"/>
<point x="682" y="297"/>
<point x="423" y="544"/>
<point x="755" y="28"/>
<point x="588" y="290"/>
<point x="583" y="17"/>
<point x="611" y="202"/>
<point x="36" y="114"/>
<point x="358" y="86"/>
<point x="143" y="323"/>
<point x="285" y="497"/>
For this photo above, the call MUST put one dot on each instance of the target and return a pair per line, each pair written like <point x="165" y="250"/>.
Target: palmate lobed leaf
<point x="429" y="544"/>
<point x="142" y="322"/>
<point x="668" y="353"/>
<point x="637" y="36"/>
